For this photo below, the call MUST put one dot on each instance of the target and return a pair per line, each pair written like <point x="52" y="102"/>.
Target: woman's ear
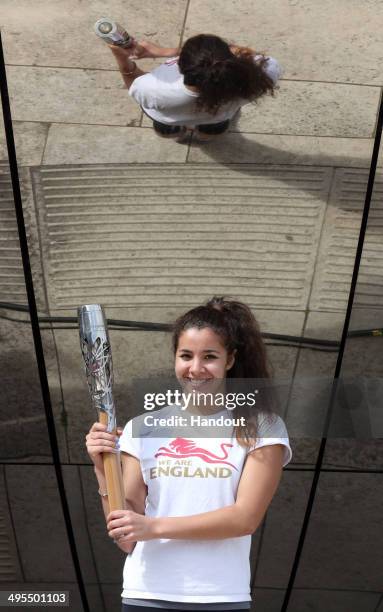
<point x="231" y="360"/>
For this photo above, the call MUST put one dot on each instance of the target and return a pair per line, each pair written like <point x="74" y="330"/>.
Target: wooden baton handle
<point x="113" y="474"/>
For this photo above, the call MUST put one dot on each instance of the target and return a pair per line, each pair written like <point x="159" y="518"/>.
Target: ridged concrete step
<point x="164" y="235"/>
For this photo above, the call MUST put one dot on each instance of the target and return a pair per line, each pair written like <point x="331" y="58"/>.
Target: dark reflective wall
<point x="341" y="559"/>
<point x="113" y="215"/>
<point x="34" y="549"/>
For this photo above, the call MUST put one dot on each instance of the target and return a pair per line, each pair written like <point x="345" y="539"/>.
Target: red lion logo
<point x="181" y="447"/>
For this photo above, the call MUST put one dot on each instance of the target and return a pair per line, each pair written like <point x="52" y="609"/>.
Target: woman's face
<point x="201" y="360"/>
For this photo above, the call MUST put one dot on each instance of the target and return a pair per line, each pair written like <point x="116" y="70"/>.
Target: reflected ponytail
<point x="221" y="76"/>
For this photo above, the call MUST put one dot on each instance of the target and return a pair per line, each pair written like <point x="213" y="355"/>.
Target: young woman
<point x="194" y="502"/>
<point x="201" y="86"/>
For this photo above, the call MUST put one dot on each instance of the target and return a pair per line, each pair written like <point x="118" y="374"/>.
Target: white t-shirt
<point x="164" y="97"/>
<point x="187" y="476"/>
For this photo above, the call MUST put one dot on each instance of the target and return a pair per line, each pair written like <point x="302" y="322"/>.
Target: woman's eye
<point x="185" y="356"/>
<point x="210" y="357"/>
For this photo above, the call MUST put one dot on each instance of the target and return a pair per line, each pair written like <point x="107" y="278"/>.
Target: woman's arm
<point x="125" y="57"/>
<point x="145" y="48"/>
<point x="258" y="484"/>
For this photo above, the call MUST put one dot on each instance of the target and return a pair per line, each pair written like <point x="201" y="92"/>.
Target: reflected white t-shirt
<point x="163" y="96"/>
<point x="187" y="476"/>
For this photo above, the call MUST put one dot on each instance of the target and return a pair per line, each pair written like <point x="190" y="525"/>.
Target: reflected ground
<point x="269" y="213"/>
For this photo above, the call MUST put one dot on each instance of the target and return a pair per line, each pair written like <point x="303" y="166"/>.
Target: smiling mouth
<point x="198" y="381"/>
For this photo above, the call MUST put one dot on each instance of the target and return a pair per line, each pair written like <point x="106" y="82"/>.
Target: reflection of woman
<point x="194" y="503"/>
<point x="202" y="86"/>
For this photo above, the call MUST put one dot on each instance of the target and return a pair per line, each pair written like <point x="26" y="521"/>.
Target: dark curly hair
<point x="238" y="328"/>
<point x="220" y="76"/>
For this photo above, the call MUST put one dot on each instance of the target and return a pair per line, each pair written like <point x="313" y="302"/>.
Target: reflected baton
<point x="96" y="351"/>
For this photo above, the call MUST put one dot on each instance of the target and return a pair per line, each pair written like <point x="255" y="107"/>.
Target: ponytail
<point x="221" y="76"/>
<point x="239" y="330"/>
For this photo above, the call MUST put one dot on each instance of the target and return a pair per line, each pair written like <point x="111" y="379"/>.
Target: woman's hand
<point x="147" y="49"/>
<point x="238" y="51"/>
<point x="128" y="526"/>
<point x="144" y="49"/>
<point x="99" y="441"/>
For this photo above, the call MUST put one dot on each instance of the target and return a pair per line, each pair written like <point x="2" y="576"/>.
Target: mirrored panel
<point x="149" y="226"/>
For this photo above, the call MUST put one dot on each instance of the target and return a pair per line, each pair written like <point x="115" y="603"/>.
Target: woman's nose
<point x="196" y="366"/>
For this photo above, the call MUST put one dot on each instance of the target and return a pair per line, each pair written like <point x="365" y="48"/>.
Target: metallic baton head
<point x="96" y="351"/>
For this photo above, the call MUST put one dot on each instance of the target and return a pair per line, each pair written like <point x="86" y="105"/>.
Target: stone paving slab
<point x="79" y="518"/>
<point x="39" y="524"/>
<point x="278" y="542"/>
<point x="85" y="144"/>
<point x="344" y="505"/>
<point x="317" y="41"/>
<point x="267" y="600"/>
<point x="65" y="95"/>
<point x="10" y="568"/>
<point x="339" y="243"/>
<point x="362" y="358"/>
<point x="292" y="150"/>
<point x="317" y="600"/>
<point x="108" y="558"/>
<point x="310" y="364"/>
<point x="53" y="33"/>
<point x="270" y="262"/>
<point x="22" y="415"/>
<point x="112" y="595"/>
<point x="12" y="283"/>
<point x="29" y="141"/>
<point x="314" y="109"/>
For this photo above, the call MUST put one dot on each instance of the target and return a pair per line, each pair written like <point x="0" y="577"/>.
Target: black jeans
<point x="209" y="128"/>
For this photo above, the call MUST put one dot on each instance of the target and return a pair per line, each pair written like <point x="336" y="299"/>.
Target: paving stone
<point x="283" y="524"/>
<point x="314" y="372"/>
<point x="108" y="558"/>
<point x="346" y="513"/>
<point x="361" y="371"/>
<point x="112" y="595"/>
<point x="65" y="95"/>
<point x="29" y="141"/>
<point x="54" y="34"/>
<point x="55" y="389"/>
<point x="338" y="246"/>
<point x="314" y="109"/>
<point x="267" y="600"/>
<point x="290" y="150"/>
<point x="39" y="524"/>
<point x="79" y="520"/>
<point x="12" y="283"/>
<point x="270" y="263"/>
<point x="10" y="569"/>
<point x="317" y="600"/>
<point x="293" y="32"/>
<point x="85" y="144"/>
<point x="23" y="423"/>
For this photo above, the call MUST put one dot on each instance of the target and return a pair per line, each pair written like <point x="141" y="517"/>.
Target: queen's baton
<point x="96" y="351"/>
